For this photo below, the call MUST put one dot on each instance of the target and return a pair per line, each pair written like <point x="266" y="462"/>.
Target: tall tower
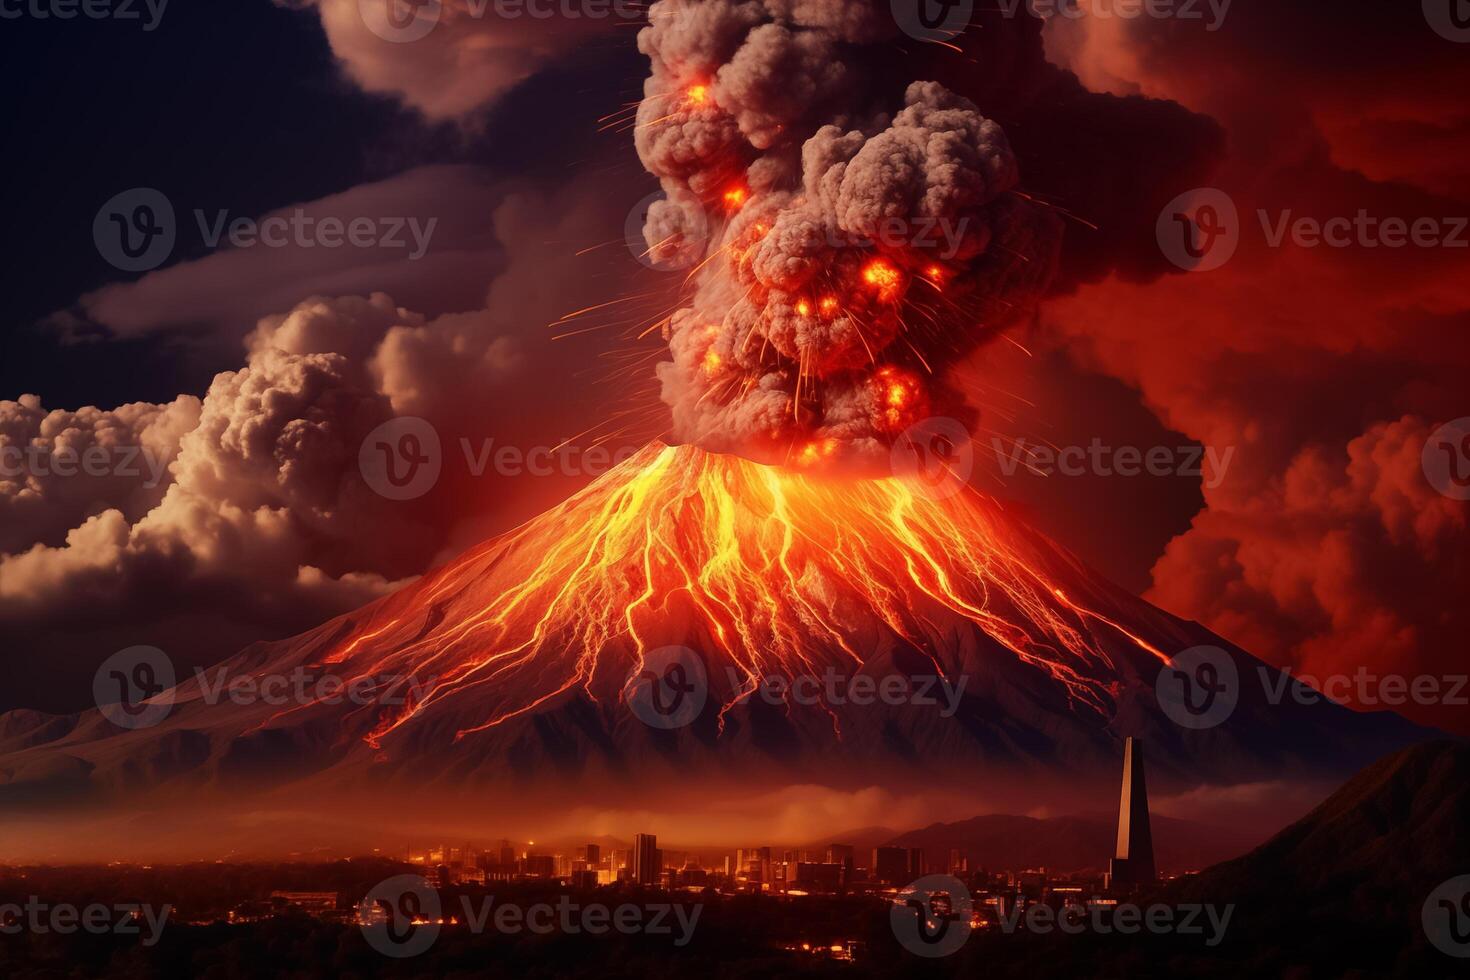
<point x="1133" y="862"/>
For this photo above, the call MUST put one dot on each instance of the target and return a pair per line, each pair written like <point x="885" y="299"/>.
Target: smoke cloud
<point x="202" y="524"/>
<point x="865" y="234"/>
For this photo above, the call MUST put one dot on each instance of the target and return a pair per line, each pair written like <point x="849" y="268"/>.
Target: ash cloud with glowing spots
<point x="866" y="232"/>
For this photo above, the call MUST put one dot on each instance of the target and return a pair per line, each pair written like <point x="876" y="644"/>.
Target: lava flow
<point x="764" y="571"/>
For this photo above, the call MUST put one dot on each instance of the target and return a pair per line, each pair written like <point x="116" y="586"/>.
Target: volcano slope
<point x="505" y="669"/>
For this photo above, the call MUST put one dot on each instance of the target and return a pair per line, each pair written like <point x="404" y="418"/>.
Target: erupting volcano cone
<point x="764" y="573"/>
<point x="509" y="664"/>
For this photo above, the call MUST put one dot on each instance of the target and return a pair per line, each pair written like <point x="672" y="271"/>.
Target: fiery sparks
<point x="883" y="277"/>
<point x="898" y="393"/>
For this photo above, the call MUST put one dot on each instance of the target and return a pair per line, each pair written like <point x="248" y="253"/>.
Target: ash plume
<point x="867" y="229"/>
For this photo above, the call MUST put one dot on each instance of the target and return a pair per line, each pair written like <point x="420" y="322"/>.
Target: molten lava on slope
<point x="769" y="572"/>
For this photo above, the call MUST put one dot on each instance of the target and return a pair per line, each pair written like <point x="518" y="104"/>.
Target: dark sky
<point x="238" y="104"/>
<point x="188" y="108"/>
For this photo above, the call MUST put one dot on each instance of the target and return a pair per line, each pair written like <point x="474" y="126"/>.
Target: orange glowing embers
<point x="827" y="305"/>
<point x="882" y="276"/>
<point x="735" y="197"/>
<point x="698" y="94"/>
<point x="814" y="452"/>
<point x="712" y="361"/>
<point x="900" y="395"/>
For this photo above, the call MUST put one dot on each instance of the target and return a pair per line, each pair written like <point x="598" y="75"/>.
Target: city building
<point x="647" y="863"/>
<point x="891" y="865"/>
<point x="819" y="879"/>
<point x="841" y="854"/>
<point x="1031" y="884"/>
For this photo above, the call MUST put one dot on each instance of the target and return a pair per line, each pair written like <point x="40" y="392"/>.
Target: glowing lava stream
<point x="778" y="571"/>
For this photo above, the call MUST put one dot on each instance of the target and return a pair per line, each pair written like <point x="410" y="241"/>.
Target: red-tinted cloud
<point x="1326" y="368"/>
<point x="467" y="55"/>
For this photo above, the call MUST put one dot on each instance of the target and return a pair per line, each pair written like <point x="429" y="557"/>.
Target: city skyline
<point x="815" y="869"/>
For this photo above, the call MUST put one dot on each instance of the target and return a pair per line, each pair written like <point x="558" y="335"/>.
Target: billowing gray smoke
<point x="857" y="234"/>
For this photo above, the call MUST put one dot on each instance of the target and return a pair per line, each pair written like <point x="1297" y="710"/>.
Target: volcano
<point x="509" y="667"/>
